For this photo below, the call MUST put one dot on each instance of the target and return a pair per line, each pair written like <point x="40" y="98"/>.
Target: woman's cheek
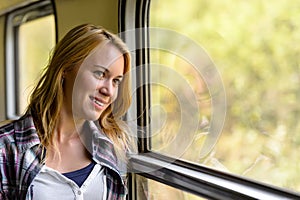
<point x="115" y="95"/>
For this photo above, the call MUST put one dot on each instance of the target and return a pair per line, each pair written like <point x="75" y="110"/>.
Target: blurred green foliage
<point x="255" y="46"/>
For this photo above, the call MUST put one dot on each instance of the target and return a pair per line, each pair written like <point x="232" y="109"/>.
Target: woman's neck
<point x="67" y="127"/>
<point x="67" y="152"/>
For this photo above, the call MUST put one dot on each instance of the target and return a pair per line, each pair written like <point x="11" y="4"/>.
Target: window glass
<point x="249" y="51"/>
<point x="153" y="190"/>
<point x="36" y="39"/>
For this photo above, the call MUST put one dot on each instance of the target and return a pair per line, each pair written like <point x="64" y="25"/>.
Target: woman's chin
<point x="90" y="116"/>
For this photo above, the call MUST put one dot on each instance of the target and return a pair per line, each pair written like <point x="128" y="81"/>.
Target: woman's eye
<point x="117" y="81"/>
<point x="99" y="74"/>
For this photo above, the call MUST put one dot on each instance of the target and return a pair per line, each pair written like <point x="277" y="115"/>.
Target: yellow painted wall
<point x="74" y="12"/>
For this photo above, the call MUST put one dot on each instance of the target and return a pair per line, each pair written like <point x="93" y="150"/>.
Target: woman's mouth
<point x="99" y="104"/>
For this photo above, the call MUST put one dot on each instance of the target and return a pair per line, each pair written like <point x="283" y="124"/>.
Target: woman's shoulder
<point x="6" y="135"/>
<point x="5" y="122"/>
<point x="6" y="128"/>
<point x="20" y="132"/>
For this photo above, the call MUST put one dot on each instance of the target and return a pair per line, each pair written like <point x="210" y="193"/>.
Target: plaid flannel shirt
<point x="21" y="158"/>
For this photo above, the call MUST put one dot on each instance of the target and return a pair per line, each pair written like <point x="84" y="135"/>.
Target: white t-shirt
<point x="50" y="184"/>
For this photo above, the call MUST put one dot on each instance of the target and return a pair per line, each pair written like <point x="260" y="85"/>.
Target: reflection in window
<point x="253" y="45"/>
<point x="180" y="105"/>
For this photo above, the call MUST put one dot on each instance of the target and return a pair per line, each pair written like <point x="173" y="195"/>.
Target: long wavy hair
<point x="47" y="97"/>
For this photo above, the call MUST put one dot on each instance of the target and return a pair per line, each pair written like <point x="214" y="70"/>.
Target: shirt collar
<point x="99" y="145"/>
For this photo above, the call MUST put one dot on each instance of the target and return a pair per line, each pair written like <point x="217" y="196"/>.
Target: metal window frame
<point x="13" y="21"/>
<point x="133" y="21"/>
<point x="202" y="181"/>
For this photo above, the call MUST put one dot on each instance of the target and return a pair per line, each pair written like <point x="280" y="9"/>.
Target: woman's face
<point x="93" y="86"/>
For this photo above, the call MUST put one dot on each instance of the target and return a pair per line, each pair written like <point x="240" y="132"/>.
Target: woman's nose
<point x="106" y="88"/>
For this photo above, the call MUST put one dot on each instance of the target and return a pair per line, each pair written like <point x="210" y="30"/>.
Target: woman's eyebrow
<point x="104" y="68"/>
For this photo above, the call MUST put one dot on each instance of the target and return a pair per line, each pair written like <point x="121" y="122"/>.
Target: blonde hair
<point x="47" y="97"/>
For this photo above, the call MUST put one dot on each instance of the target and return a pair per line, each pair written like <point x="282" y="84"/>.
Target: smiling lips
<point x="99" y="103"/>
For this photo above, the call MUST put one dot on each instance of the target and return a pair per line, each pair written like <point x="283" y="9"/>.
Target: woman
<point x="71" y="141"/>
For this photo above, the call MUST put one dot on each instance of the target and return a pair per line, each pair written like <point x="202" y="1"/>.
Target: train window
<point x="247" y="50"/>
<point x="215" y="98"/>
<point x="30" y="38"/>
<point x="153" y="190"/>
